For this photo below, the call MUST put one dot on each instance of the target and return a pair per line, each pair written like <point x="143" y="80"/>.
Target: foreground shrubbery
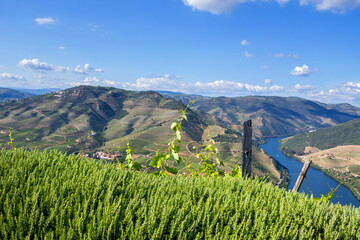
<point x="50" y="195"/>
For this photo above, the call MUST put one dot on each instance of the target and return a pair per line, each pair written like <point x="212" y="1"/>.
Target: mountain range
<point x="7" y="94"/>
<point x="272" y="116"/>
<point x="103" y="120"/>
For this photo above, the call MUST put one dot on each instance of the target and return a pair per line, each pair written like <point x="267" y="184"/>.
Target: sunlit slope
<point x="344" y="134"/>
<point x="336" y="150"/>
<point x="103" y="119"/>
<point x="50" y="195"/>
<point x="82" y="118"/>
<point x="272" y="116"/>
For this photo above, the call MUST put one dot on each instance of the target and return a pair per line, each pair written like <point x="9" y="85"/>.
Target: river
<point x="319" y="183"/>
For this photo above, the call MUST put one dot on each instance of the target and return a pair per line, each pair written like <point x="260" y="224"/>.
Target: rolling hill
<point x="7" y="94"/>
<point x="272" y="116"/>
<point x="343" y="134"/>
<point x="100" y="119"/>
<point x="336" y="150"/>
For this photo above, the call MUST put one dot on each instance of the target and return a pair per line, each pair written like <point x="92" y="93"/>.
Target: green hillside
<point x="335" y="150"/>
<point x="85" y="118"/>
<point x="7" y="94"/>
<point x="272" y="116"/>
<point x="100" y="119"/>
<point x="52" y="196"/>
<point x="343" y="134"/>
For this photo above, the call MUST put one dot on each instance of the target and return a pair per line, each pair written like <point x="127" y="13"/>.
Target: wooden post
<point x="302" y="175"/>
<point x="247" y="149"/>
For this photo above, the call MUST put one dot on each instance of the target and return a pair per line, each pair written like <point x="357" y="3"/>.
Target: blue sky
<point x="306" y="48"/>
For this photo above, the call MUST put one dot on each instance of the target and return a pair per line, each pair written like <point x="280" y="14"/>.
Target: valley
<point x="99" y="120"/>
<point x="335" y="150"/>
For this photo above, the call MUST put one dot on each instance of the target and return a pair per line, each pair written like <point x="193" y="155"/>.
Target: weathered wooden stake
<point x="302" y="175"/>
<point x="247" y="149"/>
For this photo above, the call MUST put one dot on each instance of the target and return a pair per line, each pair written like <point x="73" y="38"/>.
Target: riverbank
<point x="352" y="183"/>
<point x="317" y="182"/>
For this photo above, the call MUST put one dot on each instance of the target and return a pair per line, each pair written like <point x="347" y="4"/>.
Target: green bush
<point x="48" y="195"/>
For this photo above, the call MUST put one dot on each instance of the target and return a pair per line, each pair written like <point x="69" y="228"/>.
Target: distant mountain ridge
<point x="38" y="91"/>
<point x="104" y="119"/>
<point x="272" y="116"/>
<point x="343" y="134"/>
<point x="7" y="94"/>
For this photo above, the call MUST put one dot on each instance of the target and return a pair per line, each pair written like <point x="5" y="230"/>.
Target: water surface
<point x="317" y="181"/>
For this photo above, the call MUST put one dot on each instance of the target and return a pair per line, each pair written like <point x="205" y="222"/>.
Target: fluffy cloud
<point x="335" y="5"/>
<point x="301" y="71"/>
<point x="276" y="88"/>
<point x="226" y="6"/>
<point x="245" y="43"/>
<point x="87" y="69"/>
<point x="166" y="82"/>
<point x="37" y="66"/>
<point x="213" y="6"/>
<point x="169" y="83"/>
<point x="42" y="21"/>
<point x="9" y="76"/>
<point x="267" y="81"/>
<point x="349" y="92"/>
<point x="264" y="67"/>
<point x="61" y="48"/>
<point x="247" y="54"/>
<point x="222" y="85"/>
<point x="93" y="81"/>
<point x="109" y="83"/>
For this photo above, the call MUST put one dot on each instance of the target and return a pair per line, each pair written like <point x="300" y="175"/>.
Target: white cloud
<point x="353" y="85"/>
<point x="348" y="92"/>
<point x="156" y="83"/>
<point x="244" y="42"/>
<point x="36" y="65"/>
<point x="300" y="87"/>
<point x="301" y="71"/>
<point x="219" y="87"/>
<point x="9" y="76"/>
<point x="87" y="69"/>
<point x="267" y="81"/>
<point x="94" y="81"/>
<point x="264" y="67"/>
<point x="335" y="5"/>
<point x="42" y="21"/>
<point x="61" y="48"/>
<point x="91" y="80"/>
<point x="247" y="54"/>
<point x="276" y="88"/>
<point x="109" y="83"/>
<point x="226" y="6"/>
<point x="214" y="6"/>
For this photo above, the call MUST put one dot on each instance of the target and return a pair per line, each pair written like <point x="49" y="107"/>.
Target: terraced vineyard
<point x="101" y="119"/>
